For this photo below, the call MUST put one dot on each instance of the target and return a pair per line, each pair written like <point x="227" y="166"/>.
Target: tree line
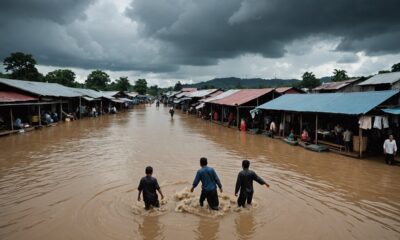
<point x="310" y="81"/>
<point x="22" y="66"/>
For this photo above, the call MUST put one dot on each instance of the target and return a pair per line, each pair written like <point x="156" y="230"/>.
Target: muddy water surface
<point x="78" y="180"/>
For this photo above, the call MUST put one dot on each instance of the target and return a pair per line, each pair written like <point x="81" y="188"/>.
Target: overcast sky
<point x="193" y="40"/>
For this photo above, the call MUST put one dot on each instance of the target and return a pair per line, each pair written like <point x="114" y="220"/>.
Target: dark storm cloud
<point x="61" y="11"/>
<point x="162" y="35"/>
<point x="202" y="31"/>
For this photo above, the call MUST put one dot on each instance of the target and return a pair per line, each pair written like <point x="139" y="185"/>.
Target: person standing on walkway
<point x="209" y="180"/>
<point x="347" y="140"/>
<point x="244" y="184"/>
<point x="390" y="149"/>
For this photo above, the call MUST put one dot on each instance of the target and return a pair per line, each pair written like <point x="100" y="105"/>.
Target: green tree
<point x="310" y="81"/>
<point x="97" y="80"/>
<point x="339" y="75"/>
<point x="154" y="90"/>
<point x="396" y="67"/>
<point x="383" y="71"/>
<point x="3" y="75"/>
<point x="65" y="77"/>
<point x="178" y="86"/>
<point x="123" y="84"/>
<point x="140" y="86"/>
<point x="22" y="66"/>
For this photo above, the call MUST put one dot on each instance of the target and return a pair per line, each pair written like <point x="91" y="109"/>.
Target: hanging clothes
<point x="378" y="122"/>
<point x="385" y="122"/>
<point x="365" y="122"/>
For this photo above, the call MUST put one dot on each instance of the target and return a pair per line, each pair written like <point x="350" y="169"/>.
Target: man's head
<point x="149" y="170"/>
<point x="203" y="162"/>
<point x="245" y="164"/>
<point x="391" y="137"/>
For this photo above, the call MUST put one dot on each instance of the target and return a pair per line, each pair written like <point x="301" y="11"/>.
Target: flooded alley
<point x="78" y="180"/>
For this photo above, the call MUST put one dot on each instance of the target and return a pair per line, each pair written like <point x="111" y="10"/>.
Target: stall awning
<point x="243" y="96"/>
<point x="8" y="97"/>
<point x="88" y="98"/>
<point x="354" y="103"/>
<point x="201" y="105"/>
<point x="182" y="99"/>
<point x="393" y="110"/>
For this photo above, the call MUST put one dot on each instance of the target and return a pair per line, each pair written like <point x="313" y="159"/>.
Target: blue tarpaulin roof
<point x="394" y="110"/>
<point x="354" y="103"/>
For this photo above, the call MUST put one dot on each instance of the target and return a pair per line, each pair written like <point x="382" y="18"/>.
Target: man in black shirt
<point x="148" y="185"/>
<point x="244" y="183"/>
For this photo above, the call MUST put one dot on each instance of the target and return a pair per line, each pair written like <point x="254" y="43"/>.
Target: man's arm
<point x="259" y="180"/>
<point x="159" y="190"/>
<point x="195" y="181"/>
<point x="162" y="196"/>
<point x="217" y="180"/>
<point x="138" y="197"/>
<point x="238" y="183"/>
<point x="395" y="148"/>
<point x="384" y="147"/>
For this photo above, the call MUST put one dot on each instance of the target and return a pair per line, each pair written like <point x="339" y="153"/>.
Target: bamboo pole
<point x="40" y="117"/>
<point x="316" y="128"/>
<point x="301" y="123"/>
<point x="360" y="141"/>
<point x="12" y="119"/>
<point x="284" y="123"/>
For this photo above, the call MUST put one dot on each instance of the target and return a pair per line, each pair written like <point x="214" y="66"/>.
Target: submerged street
<point x="78" y="180"/>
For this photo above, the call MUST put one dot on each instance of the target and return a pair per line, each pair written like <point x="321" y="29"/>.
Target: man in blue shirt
<point x="209" y="181"/>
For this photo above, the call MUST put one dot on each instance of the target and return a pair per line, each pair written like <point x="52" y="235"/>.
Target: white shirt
<point x="390" y="147"/>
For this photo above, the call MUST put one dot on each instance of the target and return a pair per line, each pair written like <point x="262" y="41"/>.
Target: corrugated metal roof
<point x="201" y="93"/>
<point x="384" y="78"/>
<point x="189" y="89"/>
<point x="222" y="95"/>
<point x="109" y="93"/>
<point x="41" y="88"/>
<point x="132" y="94"/>
<point x="15" y="97"/>
<point x="87" y="92"/>
<point x="353" y="103"/>
<point x="393" y="110"/>
<point x="335" y="85"/>
<point x="243" y="96"/>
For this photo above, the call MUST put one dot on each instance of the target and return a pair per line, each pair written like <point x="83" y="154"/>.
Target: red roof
<point x="15" y="97"/>
<point x="189" y="89"/>
<point x="243" y="96"/>
<point x="282" y="90"/>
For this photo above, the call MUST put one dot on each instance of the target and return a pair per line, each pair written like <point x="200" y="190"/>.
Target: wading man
<point x="209" y="181"/>
<point x="149" y="185"/>
<point x="244" y="183"/>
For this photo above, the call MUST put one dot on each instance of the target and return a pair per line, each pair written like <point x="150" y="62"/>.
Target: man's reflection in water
<point x="207" y="229"/>
<point x="151" y="228"/>
<point x="245" y="227"/>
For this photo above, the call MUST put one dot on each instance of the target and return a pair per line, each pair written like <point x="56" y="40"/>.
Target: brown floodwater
<point x="78" y="180"/>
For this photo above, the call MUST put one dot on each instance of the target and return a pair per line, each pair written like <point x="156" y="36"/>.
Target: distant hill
<point x="233" y="82"/>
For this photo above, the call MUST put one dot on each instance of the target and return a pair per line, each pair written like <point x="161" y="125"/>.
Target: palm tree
<point x="339" y="75"/>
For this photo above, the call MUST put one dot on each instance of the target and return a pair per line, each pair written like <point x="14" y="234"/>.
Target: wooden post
<point x="237" y="117"/>
<point x="316" y="128"/>
<point x="12" y="119"/>
<point x="301" y="123"/>
<point x="284" y="123"/>
<point x="80" y="106"/>
<point x="212" y="114"/>
<point x="257" y="102"/>
<point x="222" y="112"/>
<point x="40" y="117"/>
<point x="360" y="141"/>
<point x="60" y="117"/>
<point x="101" y="107"/>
